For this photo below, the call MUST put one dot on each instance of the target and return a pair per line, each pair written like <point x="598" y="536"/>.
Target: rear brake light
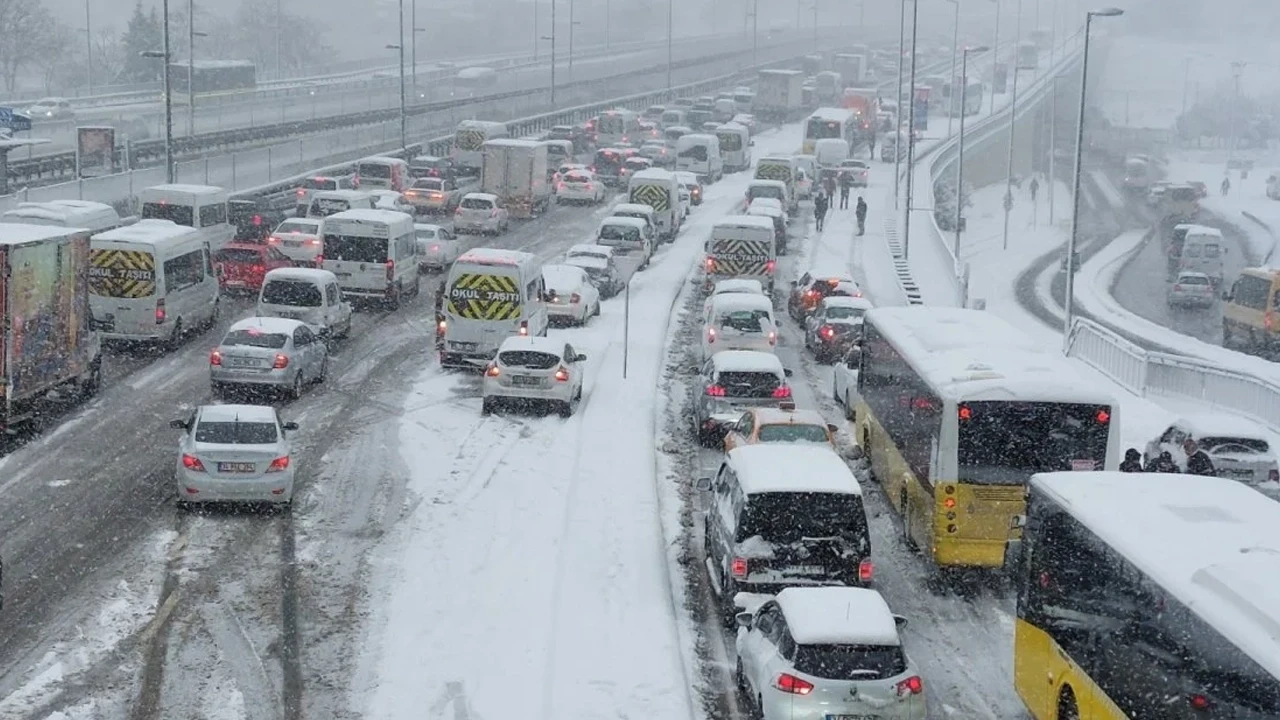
<point x="391" y="270"/>
<point x="160" y="314"/>
<point x="457" y="210"/>
<point x="191" y="462"/>
<point x="575" y="299"/>
<point x="1274" y="475"/>
<point x="215" y="358"/>
<point x="782" y="392"/>
<point x="910" y="686"/>
<point x="281" y="362"/>
<point x="711" y="335"/>
<point x="739" y="568"/>
<point x="792" y="685"/>
<point x="711" y="264"/>
<point x="279" y="464"/>
<point x="828" y="332"/>
<point x="273" y="240"/>
<point x="769" y="266"/>
<point x="715" y="391"/>
<point x="561" y="186"/>
<point x="1176" y="287"/>
<point x="524" y="327"/>
<point x="492" y="370"/>
<point x="562" y="375"/>
<point x="493" y="213"/>
<point x="773" y="338"/>
<point x="865" y="570"/>
<point x="319" y="258"/>
<point x="301" y="192"/>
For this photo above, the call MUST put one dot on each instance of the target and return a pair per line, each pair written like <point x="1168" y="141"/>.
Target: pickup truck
<point x="436" y="196"/>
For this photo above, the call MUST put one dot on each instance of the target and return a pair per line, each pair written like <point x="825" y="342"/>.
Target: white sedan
<point x="437" y="247"/>
<point x="234" y="453"/>
<point x="534" y="370"/>
<point x="579" y="186"/>
<point x="574" y="298"/>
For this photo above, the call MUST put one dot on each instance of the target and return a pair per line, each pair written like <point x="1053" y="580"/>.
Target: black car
<point x="255" y="219"/>
<point x="574" y="134"/>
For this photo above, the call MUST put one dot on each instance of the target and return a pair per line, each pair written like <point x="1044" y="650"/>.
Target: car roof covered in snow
<point x="625" y="222"/>
<point x="563" y="277"/>
<point x="495" y="256"/>
<point x="791" y="468"/>
<point x="653" y="174"/>
<point x="1209" y="542"/>
<point x="632" y="207"/>
<point x="300" y="220"/>
<point x="735" y="301"/>
<point x="778" y="416"/>
<point x="746" y="361"/>
<point x="272" y="325"/>
<point x="241" y="413"/>
<point x="738" y="285"/>
<point x="1221" y="424"/>
<point x="767" y="183"/>
<point x="838" y="616"/>
<point x="590" y="250"/>
<point x="857" y="303"/>
<point x="974" y="355"/>
<point x="743" y="221"/>
<point x="314" y="275"/>
<point x="548" y="345"/>
<point x="22" y="233"/>
<point x="593" y="262"/>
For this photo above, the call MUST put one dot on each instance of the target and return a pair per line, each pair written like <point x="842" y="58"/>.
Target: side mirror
<point x="290" y="426"/>
<point x="831" y="428"/>
<point x="794" y="283"/>
<point x="900" y="621"/>
<point x="744" y="619"/>
<point x="786" y="372"/>
<point x="702" y="484"/>
<point x="580" y="358"/>
<point x="178" y="424"/>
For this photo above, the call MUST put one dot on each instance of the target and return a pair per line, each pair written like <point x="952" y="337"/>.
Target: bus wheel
<point x="1067" y="708"/>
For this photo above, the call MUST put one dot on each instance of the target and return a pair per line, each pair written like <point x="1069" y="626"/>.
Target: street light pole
<point x="964" y="80"/>
<point x="570" y="41"/>
<point x="995" y="58"/>
<point x="1053" y="144"/>
<point x="815" y="24"/>
<point x="88" y="48"/>
<point x="1237" y="69"/>
<point x="1013" y="116"/>
<point x="413" y="42"/>
<point x="404" y="133"/>
<point x="670" y="15"/>
<point x="1069" y="295"/>
<point x="955" y="46"/>
<point x="911" y="130"/>
<point x="279" y="38"/>
<point x="897" y="120"/>
<point x="553" y="53"/>
<point x="168" y="93"/>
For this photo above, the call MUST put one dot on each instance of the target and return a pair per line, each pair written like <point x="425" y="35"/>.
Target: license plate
<point x="1241" y="473"/>
<point x="236" y="467"/>
<point x="293" y="243"/>
<point x="290" y="315"/>
<point x="805" y="569"/>
<point x="526" y="380"/>
<point x="243" y="362"/>
<point x="462" y="345"/>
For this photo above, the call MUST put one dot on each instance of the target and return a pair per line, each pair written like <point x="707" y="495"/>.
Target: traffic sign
<point x="14" y="120"/>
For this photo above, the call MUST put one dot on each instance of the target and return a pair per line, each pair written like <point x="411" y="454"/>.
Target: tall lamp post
<point x="413" y="43"/>
<point x="670" y="41"/>
<point x="1237" y="69"/>
<point x="964" y="81"/>
<point x="1013" y="116"/>
<point x="88" y="47"/>
<point x="955" y="47"/>
<point x="191" y="66"/>
<point x="164" y="55"/>
<point x="911" y="130"/>
<point x="1069" y="296"/>
<point x="399" y="47"/>
<point x="995" y="58"/>
<point x="552" y="39"/>
<point x="897" y="140"/>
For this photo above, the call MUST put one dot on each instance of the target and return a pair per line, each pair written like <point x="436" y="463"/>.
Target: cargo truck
<point x="516" y="171"/>
<point x="779" y="95"/>
<point x="48" y="347"/>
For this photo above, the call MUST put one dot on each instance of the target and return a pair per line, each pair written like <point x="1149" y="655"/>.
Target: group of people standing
<point x="1198" y="462"/>
<point x="823" y="198"/>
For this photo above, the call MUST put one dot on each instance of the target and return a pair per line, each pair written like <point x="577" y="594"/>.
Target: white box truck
<point x="516" y="171"/>
<point x="779" y="95"/>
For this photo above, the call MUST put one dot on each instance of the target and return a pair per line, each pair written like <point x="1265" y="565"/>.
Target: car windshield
<point x="477" y="203"/>
<point x="178" y="214"/>
<point x="786" y="517"/>
<point x="766" y="191"/>
<point x="353" y="248"/>
<point x="844" y="313"/>
<point x="751" y="321"/>
<point x="532" y="359"/>
<point x="748" y="384"/>
<point x="1193" y="280"/>
<point x="621" y="233"/>
<point x="375" y="170"/>
<point x="255" y="338"/>
<point x="577" y="178"/>
<point x="295" y="293"/>
<point x="320" y="184"/>
<point x="236" y="433"/>
<point x="298" y="226"/>
<point x="1235" y="445"/>
<point x="851" y="662"/>
<point x="793" y="432"/>
<point x="429" y="184"/>
<point x="425" y="233"/>
<point x="240" y="255"/>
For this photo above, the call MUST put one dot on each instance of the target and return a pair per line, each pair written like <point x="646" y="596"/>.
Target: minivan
<point x="384" y="173"/>
<point x="1202" y="252"/>
<point x="780" y="516"/>
<point x="311" y="295"/>
<point x="640" y="212"/>
<point x="374" y="254"/>
<point x="1251" y="314"/>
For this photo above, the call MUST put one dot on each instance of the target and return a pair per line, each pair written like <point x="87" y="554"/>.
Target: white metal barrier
<point x="1149" y="374"/>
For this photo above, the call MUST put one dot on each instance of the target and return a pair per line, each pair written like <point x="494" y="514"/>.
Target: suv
<point x="810" y="290"/>
<point x="783" y="515"/>
<point x="732" y="381"/>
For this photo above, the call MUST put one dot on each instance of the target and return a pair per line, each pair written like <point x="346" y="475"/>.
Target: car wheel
<point x="295" y="390"/>
<point x="740" y="677"/>
<point x="213" y="316"/>
<point x="597" y="312"/>
<point x="486" y="406"/>
<point x="175" y="338"/>
<point x="849" y="413"/>
<point x="393" y="302"/>
<point x="324" y="370"/>
<point x="93" y="381"/>
<point x="566" y="408"/>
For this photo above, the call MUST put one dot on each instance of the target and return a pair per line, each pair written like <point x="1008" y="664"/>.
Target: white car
<point x="731" y="286"/>
<point x="827" y="652"/>
<point x="298" y="239"/>
<point x="390" y="200"/>
<point x="579" y="186"/>
<point x="739" y="321"/>
<point x="567" y="168"/>
<point x="844" y="383"/>
<point x="573" y="298"/>
<point x="834" y="326"/>
<point x="1237" y="447"/>
<point x="600" y="266"/>
<point x="691" y="183"/>
<point x="1191" y="289"/>
<point x="686" y="202"/>
<point x="857" y="170"/>
<point x="51" y="108"/>
<point x="437" y="247"/>
<point x="532" y="370"/>
<point x="234" y="453"/>
<point x="480" y="213"/>
<point x="268" y="353"/>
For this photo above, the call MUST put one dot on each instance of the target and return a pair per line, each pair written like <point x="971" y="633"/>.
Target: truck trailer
<point x="516" y="171"/>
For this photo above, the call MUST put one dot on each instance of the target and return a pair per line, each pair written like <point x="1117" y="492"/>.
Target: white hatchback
<point x="579" y="186"/>
<point x="572" y="297"/>
<point x="437" y="247"/>
<point x="739" y="321"/>
<point x="480" y="213"/>
<point x="534" y="371"/>
<point x="234" y="453"/>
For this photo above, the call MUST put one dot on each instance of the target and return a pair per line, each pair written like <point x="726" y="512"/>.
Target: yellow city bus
<point x="957" y="411"/>
<point x="827" y="122"/>
<point x="1148" y="596"/>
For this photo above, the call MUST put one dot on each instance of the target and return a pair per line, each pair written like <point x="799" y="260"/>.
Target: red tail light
<point x="215" y="358"/>
<point x="793" y="685"/>
<point x="1274" y="475"/>
<point x="492" y="370"/>
<point x="711" y="264"/>
<point x="589" y="186"/>
<point x="258" y="269"/>
<point x="281" y="362"/>
<point x="827" y="332"/>
<point x="865" y="570"/>
<point x="1103" y="417"/>
<point x="524" y="328"/>
<point x="493" y="213"/>
<point x="562" y="375"/>
<point x="811" y="294"/>
<point x="965" y="412"/>
<point x="782" y="392"/>
<point x="560" y="186"/>
<point x="575" y="299"/>
<point x="711" y="335"/>
<point x="319" y="258"/>
<point x="435" y="248"/>
<point x="739" y="568"/>
<point x="257" y="220"/>
<point x="1176" y="287"/>
<point x="391" y="270"/>
<point x="160" y="314"/>
<point x="191" y="462"/>
<point x="1269" y="320"/>
<point x="280" y="464"/>
<point x="910" y="686"/>
<point x="1199" y="702"/>
<point x="457" y="210"/>
<point x="769" y="266"/>
<point x="715" y="391"/>
<point x="302" y="192"/>
<point x="442" y="326"/>
<point x="773" y="338"/>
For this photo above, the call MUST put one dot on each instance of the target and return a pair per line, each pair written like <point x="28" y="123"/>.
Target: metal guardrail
<point x="1155" y="374"/>
<point x="140" y="154"/>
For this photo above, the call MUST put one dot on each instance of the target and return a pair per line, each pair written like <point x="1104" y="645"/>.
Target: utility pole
<point x="911" y="130"/>
<point x="1013" y="116"/>
<point x="897" y="120"/>
<point x="88" y="48"/>
<point x="191" y="68"/>
<point x="755" y="32"/>
<point x="815" y="24"/>
<point x="995" y="58"/>
<point x="168" y="100"/>
<point x="1053" y="143"/>
<point x="279" y="38"/>
<point x="571" y="41"/>
<point x="670" y="16"/>
<point x="955" y="47"/>
<point x="1237" y="69"/>
<point x="413" y="43"/>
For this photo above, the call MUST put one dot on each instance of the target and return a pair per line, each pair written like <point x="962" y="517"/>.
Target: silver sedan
<point x="268" y="353"/>
<point x="234" y="453"/>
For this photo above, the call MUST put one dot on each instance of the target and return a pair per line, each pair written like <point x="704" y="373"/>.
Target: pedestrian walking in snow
<point x="1226" y="186"/>
<point x="846" y="184"/>
<point x="1035" y="188"/>
<point x="861" y="211"/>
<point x="821" y="203"/>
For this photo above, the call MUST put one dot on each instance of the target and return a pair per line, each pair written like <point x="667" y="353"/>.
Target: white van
<point x="151" y="281"/>
<point x="489" y="296"/>
<point x="775" y="189"/>
<point x="467" y="152"/>
<point x="660" y="190"/>
<point x="735" y="146"/>
<point x="330" y="202"/>
<point x="673" y="117"/>
<point x="700" y="154"/>
<point x="830" y="152"/>
<point x="310" y="295"/>
<point x="1202" y="252"/>
<point x="642" y="212"/>
<point x="383" y="173"/>
<point x="92" y="216"/>
<point x="632" y="250"/>
<point x="374" y="253"/>
<point x="784" y="169"/>
<point x="617" y="127"/>
<point x="203" y="207"/>
<point x="742" y="246"/>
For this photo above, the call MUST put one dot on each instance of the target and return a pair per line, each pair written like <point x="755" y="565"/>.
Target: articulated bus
<point x="829" y="122"/>
<point x="957" y="411"/>
<point x="1148" y="597"/>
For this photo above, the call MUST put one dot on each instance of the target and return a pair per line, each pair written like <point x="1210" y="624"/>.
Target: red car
<point x="241" y="266"/>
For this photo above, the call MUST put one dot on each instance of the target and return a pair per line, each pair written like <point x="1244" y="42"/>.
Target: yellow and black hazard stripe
<point x="469" y="140"/>
<point x="122" y="273"/>
<point x="476" y="296"/>
<point x="741" y="266"/>
<point x="773" y="172"/>
<point x="753" y="249"/>
<point x="655" y="196"/>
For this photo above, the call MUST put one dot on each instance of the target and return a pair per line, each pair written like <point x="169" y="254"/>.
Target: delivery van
<point x="490" y="295"/>
<point x="374" y="254"/>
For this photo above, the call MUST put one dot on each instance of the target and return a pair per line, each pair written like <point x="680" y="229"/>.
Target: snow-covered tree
<point x="144" y="33"/>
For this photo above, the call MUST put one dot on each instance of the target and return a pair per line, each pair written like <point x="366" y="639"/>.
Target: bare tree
<point x="60" y="56"/>
<point x="24" y="34"/>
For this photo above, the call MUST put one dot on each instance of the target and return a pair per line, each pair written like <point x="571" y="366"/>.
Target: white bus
<point x="957" y="410"/>
<point x="1148" y="596"/>
<point x="826" y="122"/>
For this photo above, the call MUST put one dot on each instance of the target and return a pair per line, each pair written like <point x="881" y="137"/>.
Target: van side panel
<point x="484" y="296"/>
<point x="120" y="273"/>
<point x="46" y="304"/>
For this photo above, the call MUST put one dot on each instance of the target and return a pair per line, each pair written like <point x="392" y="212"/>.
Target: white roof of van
<point x="838" y="616"/>
<point x="150" y="231"/>
<point x="21" y="233"/>
<point x="653" y="174"/>
<point x="342" y="194"/>
<point x="371" y="216"/>
<point x="65" y="206"/>
<point x="632" y="207"/>
<point x="783" y="468"/>
<point x="625" y="222"/>
<point x="738" y="221"/>
<point x="732" y="301"/>
<point x="189" y="189"/>
<point x="514" y="143"/>
<point x="767" y="183"/>
<point x="494" y="256"/>
<point x="304" y="274"/>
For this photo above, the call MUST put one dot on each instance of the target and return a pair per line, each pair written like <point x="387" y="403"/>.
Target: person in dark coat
<point x="440" y="294"/>
<point x="860" y="210"/>
<point x="1132" y="461"/>
<point x="846" y="184"/>
<point x="1162" y="464"/>
<point x="1198" y="462"/>
<point x="821" y="204"/>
